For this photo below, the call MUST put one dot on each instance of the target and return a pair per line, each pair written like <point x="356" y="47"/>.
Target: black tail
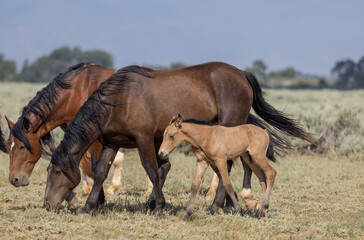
<point x="275" y="118"/>
<point x="277" y="144"/>
<point x="2" y="142"/>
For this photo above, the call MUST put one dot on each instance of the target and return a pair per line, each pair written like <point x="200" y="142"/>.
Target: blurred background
<point x="288" y="44"/>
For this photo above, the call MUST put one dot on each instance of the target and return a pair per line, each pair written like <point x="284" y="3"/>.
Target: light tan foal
<point x="214" y="145"/>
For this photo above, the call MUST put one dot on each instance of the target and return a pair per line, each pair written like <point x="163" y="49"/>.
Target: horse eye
<point x="22" y="147"/>
<point x="171" y="137"/>
<point x="58" y="171"/>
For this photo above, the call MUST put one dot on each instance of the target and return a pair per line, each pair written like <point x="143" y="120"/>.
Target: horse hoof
<point x="158" y="212"/>
<point x="110" y="192"/>
<point x="209" y="197"/>
<point x="85" y="215"/>
<point x="151" y="204"/>
<point x="186" y="217"/>
<point x="214" y="209"/>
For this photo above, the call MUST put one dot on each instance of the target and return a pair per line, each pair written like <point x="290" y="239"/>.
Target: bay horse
<point x="132" y="109"/>
<point x="53" y="106"/>
<point x="214" y="145"/>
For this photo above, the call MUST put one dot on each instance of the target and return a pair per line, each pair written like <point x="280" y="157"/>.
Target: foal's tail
<point x="273" y="117"/>
<point x="275" y="141"/>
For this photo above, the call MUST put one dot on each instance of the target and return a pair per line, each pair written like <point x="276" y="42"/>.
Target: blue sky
<point x="308" y="35"/>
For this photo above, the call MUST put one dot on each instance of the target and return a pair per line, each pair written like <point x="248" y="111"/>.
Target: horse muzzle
<point x="163" y="155"/>
<point x="19" y="182"/>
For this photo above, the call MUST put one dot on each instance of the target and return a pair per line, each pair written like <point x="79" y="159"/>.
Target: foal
<point x="214" y="145"/>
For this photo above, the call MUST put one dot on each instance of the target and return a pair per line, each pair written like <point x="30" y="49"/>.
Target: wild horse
<point x="213" y="145"/>
<point x="55" y="105"/>
<point x="133" y="107"/>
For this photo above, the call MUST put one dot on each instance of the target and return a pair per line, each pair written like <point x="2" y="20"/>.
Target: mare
<point x="213" y="145"/>
<point x="132" y="109"/>
<point x="53" y="106"/>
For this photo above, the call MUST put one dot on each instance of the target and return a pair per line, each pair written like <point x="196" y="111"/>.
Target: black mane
<point x="42" y="105"/>
<point x="87" y="121"/>
<point x="2" y="142"/>
<point x="199" y="122"/>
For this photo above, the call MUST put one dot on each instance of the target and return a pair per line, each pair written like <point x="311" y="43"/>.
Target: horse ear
<point x="10" y="123"/>
<point x="178" y="122"/>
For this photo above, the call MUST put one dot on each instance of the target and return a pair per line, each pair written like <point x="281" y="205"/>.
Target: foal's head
<point x="172" y="137"/>
<point x="63" y="177"/>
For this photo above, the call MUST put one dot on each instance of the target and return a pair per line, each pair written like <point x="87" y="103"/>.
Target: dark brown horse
<point x="55" y="105"/>
<point x="133" y="107"/>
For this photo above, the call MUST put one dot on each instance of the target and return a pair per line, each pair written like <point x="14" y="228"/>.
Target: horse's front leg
<point x="100" y="173"/>
<point x="164" y="167"/>
<point x="201" y="166"/>
<point x="149" y="161"/>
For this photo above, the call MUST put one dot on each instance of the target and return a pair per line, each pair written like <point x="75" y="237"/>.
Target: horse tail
<point x="272" y="116"/>
<point x="277" y="144"/>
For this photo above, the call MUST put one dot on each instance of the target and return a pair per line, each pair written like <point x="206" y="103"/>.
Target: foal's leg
<point x="118" y="169"/>
<point x="221" y="166"/>
<point x="270" y="175"/>
<point x="100" y="173"/>
<point x="201" y="166"/>
<point x="220" y="193"/>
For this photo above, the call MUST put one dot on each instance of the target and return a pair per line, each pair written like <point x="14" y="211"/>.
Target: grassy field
<point x="316" y="196"/>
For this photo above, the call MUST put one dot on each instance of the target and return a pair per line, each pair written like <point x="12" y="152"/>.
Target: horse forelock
<point x="18" y="132"/>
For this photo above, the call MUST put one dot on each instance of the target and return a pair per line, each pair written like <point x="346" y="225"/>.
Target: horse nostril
<point x="15" y="181"/>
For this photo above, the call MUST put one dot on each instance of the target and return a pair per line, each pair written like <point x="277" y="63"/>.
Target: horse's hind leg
<point x="252" y="204"/>
<point x="220" y="193"/>
<point x="213" y="187"/>
<point x="221" y="166"/>
<point x="269" y="175"/>
<point x="201" y="167"/>
<point x="150" y="188"/>
<point x="118" y="168"/>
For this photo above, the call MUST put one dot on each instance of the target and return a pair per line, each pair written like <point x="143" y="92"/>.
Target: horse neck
<point x="39" y="128"/>
<point x="195" y="134"/>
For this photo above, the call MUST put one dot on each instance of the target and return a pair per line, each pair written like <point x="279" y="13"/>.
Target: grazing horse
<point x="132" y="109"/>
<point x="213" y="145"/>
<point x="53" y="106"/>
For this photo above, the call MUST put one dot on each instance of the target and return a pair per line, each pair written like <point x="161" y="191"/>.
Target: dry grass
<point x="314" y="197"/>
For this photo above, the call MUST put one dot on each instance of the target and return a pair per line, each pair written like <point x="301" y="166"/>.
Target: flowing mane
<point x="88" y="116"/>
<point x="2" y="142"/>
<point x="42" y="105"/>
